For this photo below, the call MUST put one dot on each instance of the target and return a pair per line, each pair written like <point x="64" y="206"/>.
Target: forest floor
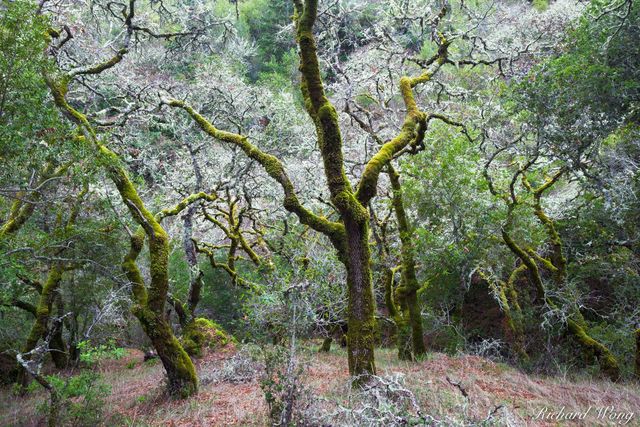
<point x="458" y="390"/>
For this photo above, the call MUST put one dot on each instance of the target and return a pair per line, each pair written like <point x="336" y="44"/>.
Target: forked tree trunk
<point x="149" y="310"/>
<point x="350" y="236"/>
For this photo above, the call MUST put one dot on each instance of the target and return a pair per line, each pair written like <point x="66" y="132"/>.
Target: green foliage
<point x="82" y="398"/>
<point x="263" y="20"/>
<point x="221" y="301"/>
<point x="30" y="130"/>
<point x="541" y="5"/>
<point x="281" y="385"/>
<point x="591" y="87"/>
<point x="93" y="354"/>
<point x="445" y="189"/>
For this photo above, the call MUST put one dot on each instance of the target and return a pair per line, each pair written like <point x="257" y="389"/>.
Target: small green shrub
<point x="82" y="398"/>
<point x="92" y="354"/>
<point x="281" y="382"/>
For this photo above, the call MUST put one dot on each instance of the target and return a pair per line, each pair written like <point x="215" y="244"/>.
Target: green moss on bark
<point x="203" y="333"/>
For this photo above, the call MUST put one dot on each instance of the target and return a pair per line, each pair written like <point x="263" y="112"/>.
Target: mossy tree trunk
<point x="325" y="347"/>
<point x="510" y="306"/>
<point x="399" y="313"/>
<point x="58" y="348"/>
<point x="407" y="292"/>
<point x="361" y="322"/>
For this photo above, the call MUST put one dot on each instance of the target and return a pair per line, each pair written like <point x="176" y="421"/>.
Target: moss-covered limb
<point x="409" y="281"/>
<point x="412" y="132"/>
<point x="195" y="289"/>
<point x="274" y="168"/>
<point x="99" y="67"/>
<point x="398" y="308"/>
<point x="184" y="203"/>
<point x="179" y="308"/>
<point x="131" y="269"/>
<point x="508" y="300"/>
<point x="57" y="346"/>
<point x="229" y="266"/>
<point x="320" y="109"/>
<point x="23" y="305"/>
<point x="212" y="219"/>
<point x="559" y="262"/>
<point x="236" y="220"/>
<point x="19" y="213"/>
<point x="304" y="19"/>
<point x="404" y="330"/>
<point x="233" y="232"/>
<point x="606" y="360"/>
<point x="109" y="160"/>
<point x="547" y="264"/>
<point x="34" y="284"/>
<point x="23" y="207"/>
<point x="512" y="294"/>
<point x="253" y="256"/>
<point x="242" y="243"/>
<point x="389" y="286"/>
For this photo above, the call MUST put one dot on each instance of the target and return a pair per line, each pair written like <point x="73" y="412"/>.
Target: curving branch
<point x="273" y="166"/>
<point x="413" y="129"/>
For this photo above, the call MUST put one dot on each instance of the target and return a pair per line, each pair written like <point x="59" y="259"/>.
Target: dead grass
<point x="138" y="397"/>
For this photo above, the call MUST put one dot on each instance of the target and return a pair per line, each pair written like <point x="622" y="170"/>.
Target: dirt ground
<point x="457" y="390"/>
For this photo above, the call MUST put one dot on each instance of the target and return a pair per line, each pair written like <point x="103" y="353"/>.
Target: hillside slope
<point x="460" y="390"/>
